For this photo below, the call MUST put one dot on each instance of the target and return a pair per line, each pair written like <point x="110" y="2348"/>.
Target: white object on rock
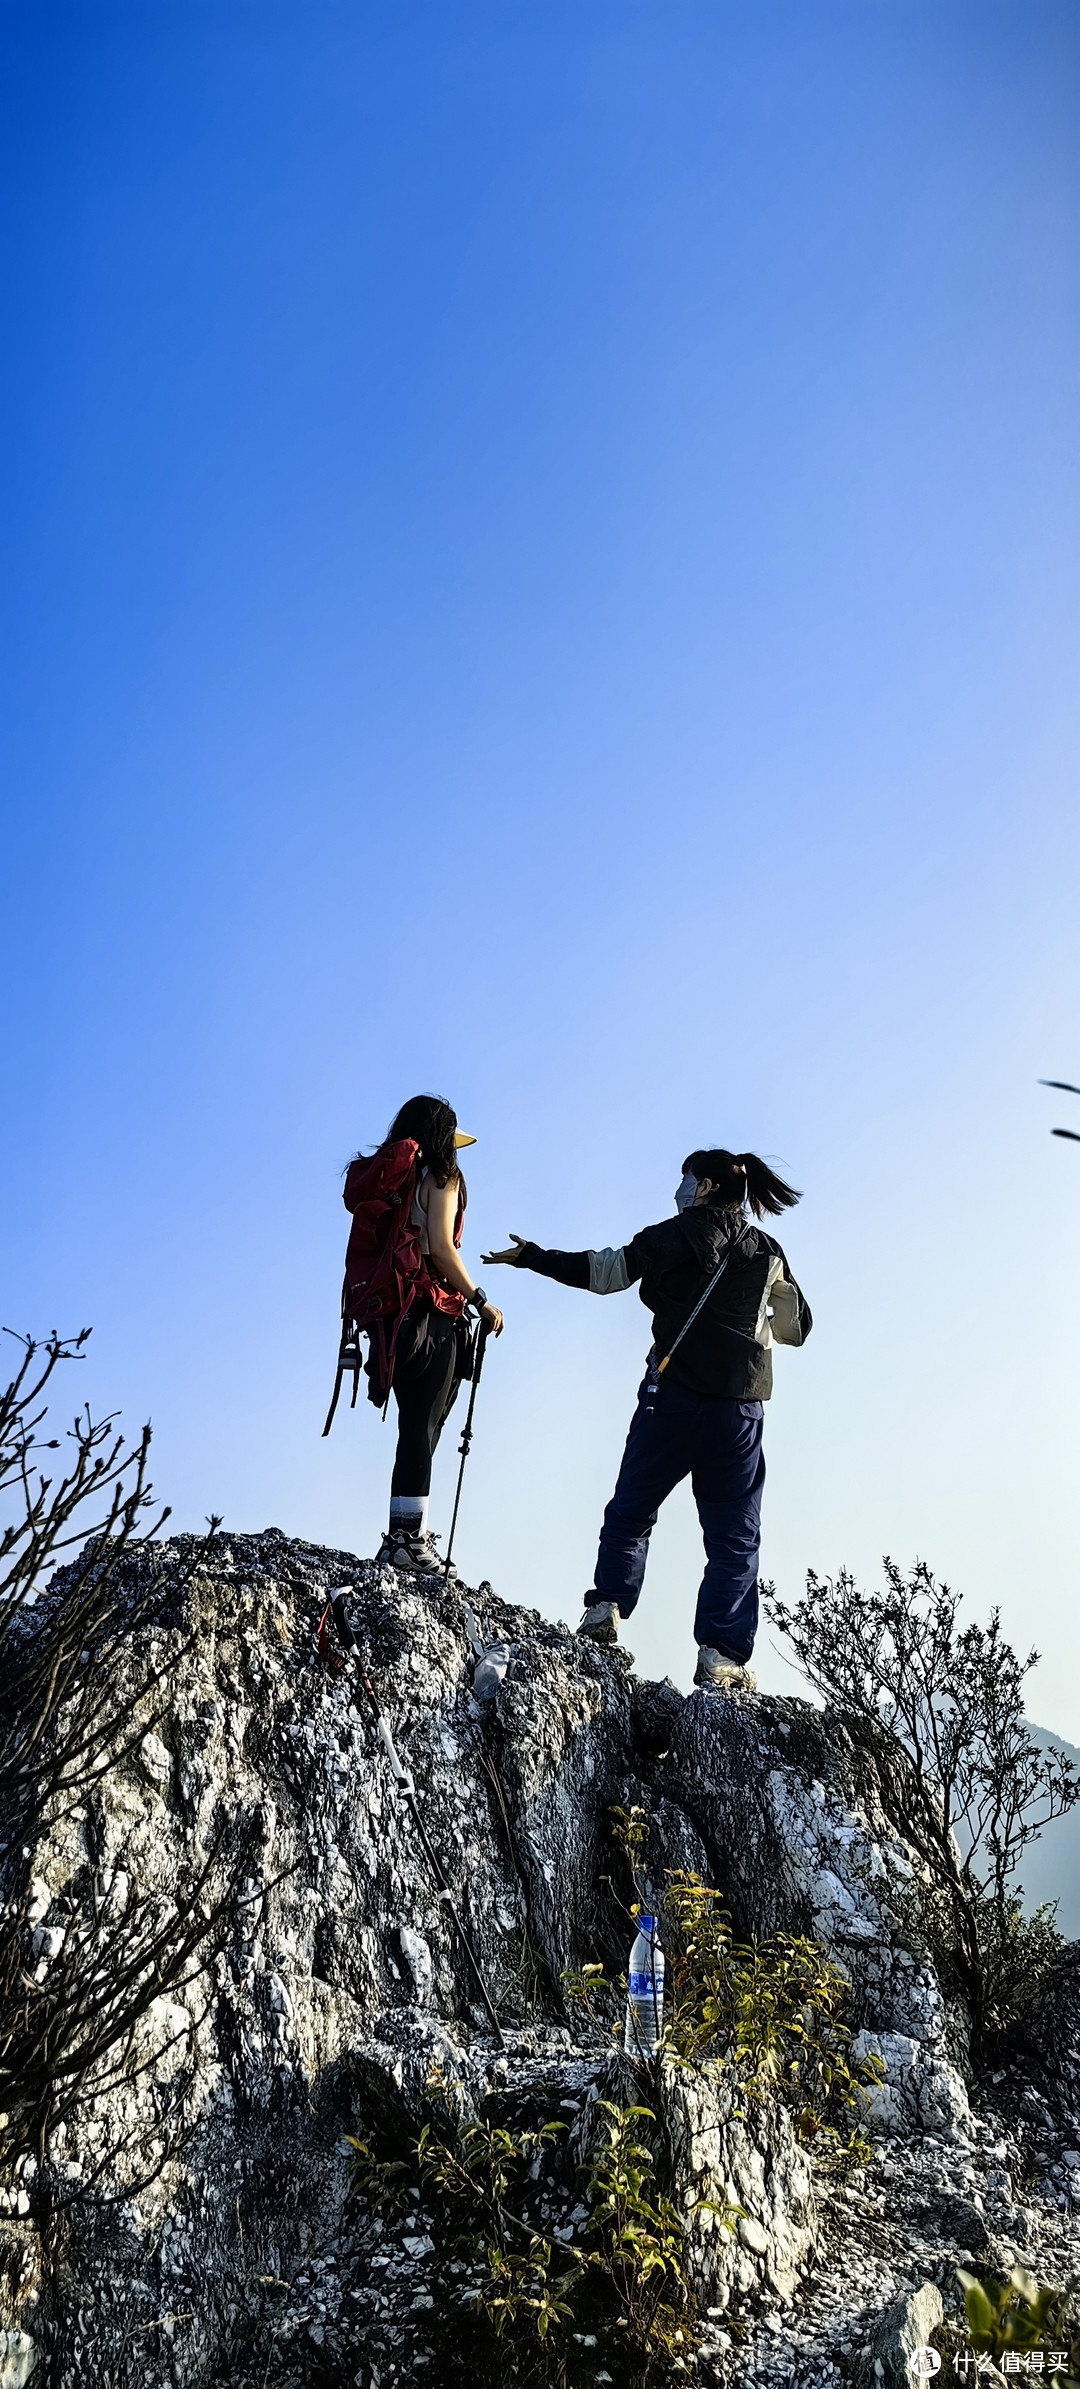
<point x="645" y="1992"/>
<point x="473" y="1629"/>
<point x="492" y="1658"/>
<point x="490" y="1670"/>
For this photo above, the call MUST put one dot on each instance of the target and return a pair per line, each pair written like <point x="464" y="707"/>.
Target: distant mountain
<point x="1050" y="1870"/>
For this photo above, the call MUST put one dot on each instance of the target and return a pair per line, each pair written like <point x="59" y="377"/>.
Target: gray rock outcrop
<point x="905" y="2328"/>
<point x="188" y="2225"/>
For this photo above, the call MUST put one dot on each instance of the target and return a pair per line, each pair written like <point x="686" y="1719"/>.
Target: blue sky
<point x="541" y="563"/>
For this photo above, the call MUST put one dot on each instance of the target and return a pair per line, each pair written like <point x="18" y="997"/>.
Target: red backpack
<point x="386" y="1268"/>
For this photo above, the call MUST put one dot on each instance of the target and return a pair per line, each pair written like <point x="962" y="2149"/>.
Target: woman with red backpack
<point x="407" y="1286"/>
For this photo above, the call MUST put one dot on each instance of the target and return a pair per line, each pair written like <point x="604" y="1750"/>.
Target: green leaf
<point x="979" y="2312"/>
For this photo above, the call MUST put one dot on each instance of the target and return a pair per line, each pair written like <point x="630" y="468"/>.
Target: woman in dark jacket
<point x="405" y="1281"/>
<point x="699" y="1412"/>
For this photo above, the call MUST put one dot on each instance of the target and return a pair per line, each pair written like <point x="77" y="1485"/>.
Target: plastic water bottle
<point x="490" y="1670"/>
<point x="645" y="1992"/>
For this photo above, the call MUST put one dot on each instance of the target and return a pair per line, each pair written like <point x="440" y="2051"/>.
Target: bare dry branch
<point x="70" y="1713"/>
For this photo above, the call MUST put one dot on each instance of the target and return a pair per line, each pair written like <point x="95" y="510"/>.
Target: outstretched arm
<point x="607" y="1272"/>
<point x="514" y="1256"/>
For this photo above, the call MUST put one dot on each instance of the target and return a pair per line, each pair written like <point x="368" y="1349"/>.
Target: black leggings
<point x="426" y="1379"/>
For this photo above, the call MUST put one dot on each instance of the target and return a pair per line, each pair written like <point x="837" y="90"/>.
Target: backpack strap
<point x="350" y="1361"/>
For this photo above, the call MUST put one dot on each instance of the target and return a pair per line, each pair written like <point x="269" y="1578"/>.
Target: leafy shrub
<point x="467" y="2173"/>
<point x="1019" y="1956"/>
<point x="635" y="2241"/>
<point x="521" y="2298"/>
<point x="774" y="2010"/>
<point x="940" y="1706"/>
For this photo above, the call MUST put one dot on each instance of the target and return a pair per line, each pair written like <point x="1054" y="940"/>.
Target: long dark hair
<point x="431" y="1121"/>
<point x="739" y="1178"/>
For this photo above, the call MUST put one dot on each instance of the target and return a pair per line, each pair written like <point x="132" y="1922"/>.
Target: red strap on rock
<point x="323" y="1645"/>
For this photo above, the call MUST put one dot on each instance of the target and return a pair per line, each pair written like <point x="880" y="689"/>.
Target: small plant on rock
<point x="634" y="2242"/>
<point x="775" y="2010"/>
<point x="492" y="2263"/>
<point x="524" y="2292"/>
<point x="1005" y="2319"/>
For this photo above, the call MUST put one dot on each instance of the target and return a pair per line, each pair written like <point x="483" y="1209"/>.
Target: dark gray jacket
<point x="728" y="1350"/>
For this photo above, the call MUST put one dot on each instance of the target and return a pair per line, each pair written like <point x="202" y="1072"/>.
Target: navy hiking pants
<point x="716" y="1442"/>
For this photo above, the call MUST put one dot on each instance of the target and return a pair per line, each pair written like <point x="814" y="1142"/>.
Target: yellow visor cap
<point x="461" y="1139"/>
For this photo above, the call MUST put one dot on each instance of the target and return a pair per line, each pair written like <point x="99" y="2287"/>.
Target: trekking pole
<point x="406" y="1790"/>
<point x="466" y="1439"/>
<point x="699" y="1306"/>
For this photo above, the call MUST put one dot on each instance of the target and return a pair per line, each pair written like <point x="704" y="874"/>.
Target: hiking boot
<point x="413" y="1552"/>
<point x="720" y="1674"/>
<point x="600" y="1622"/>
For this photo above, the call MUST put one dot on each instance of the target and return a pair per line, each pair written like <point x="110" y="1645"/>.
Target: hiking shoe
<point x="413" y="1553"/>
<point x="720" y="1674"/>
<point x="600" y="1622"/>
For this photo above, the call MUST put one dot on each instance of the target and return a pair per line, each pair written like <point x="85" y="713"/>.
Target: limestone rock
<point x="205" y="2235"/>
<point x="18" y="2360"/>
<point x="906" y="2325"/>
<point x="920" y="2091"/>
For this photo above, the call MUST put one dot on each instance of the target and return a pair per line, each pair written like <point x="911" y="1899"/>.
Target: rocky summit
<point x="191" y="2220"/>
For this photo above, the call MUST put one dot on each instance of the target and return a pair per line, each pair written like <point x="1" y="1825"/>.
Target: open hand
<point x="512" y="1255"/>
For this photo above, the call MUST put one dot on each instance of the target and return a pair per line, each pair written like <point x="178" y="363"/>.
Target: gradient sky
<point x="541" y="563"/>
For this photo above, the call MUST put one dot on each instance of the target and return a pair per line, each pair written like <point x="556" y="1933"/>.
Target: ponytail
<point x="739" y="1178"/>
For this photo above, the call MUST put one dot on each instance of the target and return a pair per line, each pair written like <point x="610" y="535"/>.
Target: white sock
<point x="408" y="1513"/>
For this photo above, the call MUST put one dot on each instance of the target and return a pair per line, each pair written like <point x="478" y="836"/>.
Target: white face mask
<point x="685" y="1192"/>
